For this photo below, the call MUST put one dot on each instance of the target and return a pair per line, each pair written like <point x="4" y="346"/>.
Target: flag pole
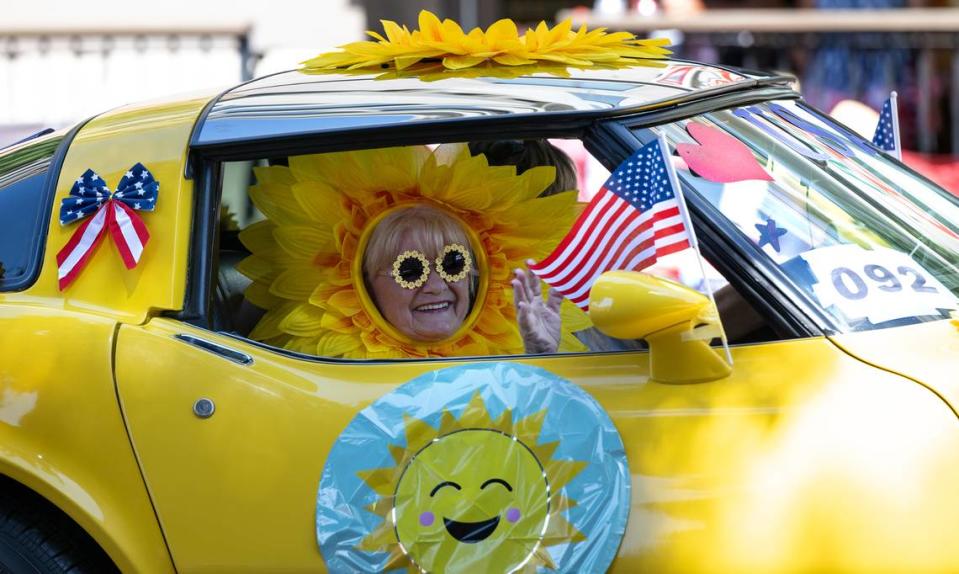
<point x="694" y="243"/>
<point x="894" y="110"/>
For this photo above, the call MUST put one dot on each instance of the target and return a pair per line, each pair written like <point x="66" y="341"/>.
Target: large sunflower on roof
<point x="443" y="48"/>
<point x="306" y="261"/>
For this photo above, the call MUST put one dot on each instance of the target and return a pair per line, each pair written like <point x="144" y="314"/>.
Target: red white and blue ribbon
<point x="113" y="213"/>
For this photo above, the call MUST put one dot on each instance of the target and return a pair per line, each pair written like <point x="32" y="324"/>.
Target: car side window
<point x="406" y="252"/>
<point x="24" y="198"/>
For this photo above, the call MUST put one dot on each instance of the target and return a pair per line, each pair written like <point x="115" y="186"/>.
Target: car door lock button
<point x="204" y="408"/>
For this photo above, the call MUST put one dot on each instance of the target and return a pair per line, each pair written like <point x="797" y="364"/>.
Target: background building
<point x="62" y="61"/>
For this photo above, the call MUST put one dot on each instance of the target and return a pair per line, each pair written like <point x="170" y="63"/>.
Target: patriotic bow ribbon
<point x="111" y="211"/>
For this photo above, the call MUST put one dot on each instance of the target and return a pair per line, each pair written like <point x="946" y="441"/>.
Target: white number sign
<point x="876" y="284"/>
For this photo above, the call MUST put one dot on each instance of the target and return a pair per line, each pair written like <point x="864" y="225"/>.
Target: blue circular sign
<point x="498" y="467"/>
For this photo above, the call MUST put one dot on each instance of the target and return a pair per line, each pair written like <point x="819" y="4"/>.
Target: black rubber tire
<point x="38" y="538"/>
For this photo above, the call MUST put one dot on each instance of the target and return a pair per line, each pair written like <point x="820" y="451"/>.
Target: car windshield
<point x="874" y="244"/>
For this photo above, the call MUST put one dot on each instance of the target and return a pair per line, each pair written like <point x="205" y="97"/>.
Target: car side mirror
<point x="668" y="315"/>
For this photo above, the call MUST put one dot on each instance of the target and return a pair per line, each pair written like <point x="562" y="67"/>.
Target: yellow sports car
<point x="300" y="325"/>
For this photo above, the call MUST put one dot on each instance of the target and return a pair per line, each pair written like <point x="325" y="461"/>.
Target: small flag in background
<point x="635" y="218"/>
<point x="887" y="132"/>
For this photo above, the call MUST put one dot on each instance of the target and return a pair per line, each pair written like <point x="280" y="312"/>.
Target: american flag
<point x="887" y="132"/>
<point x="635" y="218"/>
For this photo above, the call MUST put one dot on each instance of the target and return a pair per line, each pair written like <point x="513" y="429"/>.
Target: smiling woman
<point x="418" y="268"/>
<point x="404" y="252"/>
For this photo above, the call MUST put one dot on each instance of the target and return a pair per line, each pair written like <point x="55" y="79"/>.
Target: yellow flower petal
<point x="305" y="345"/>
<point x="346" y="302"/>
<point x="458" y="62"/>
<point x="337" y="324"/>
<point x="430" y="26"/>
<point x="320" y="202"/>
<point x="259" y="294"/>
<point x="257" y="268"/>
<point x="329" y="61"/>
<point x="303" y="321"/>
<point x="537" y="179"/>
<point x="269" y="325"/>
<point x="336" y="345"/>
<point x="273" y="201"/>
<point x="560" y="32"/>
<point x="406" y="61"/>
<point x="574" y="318"/>
<point x="258" y="237"/>
<point x="451" y="31"/>
<point x="568" y="343"/>
<point x="296" y="283"/>
<point x="393" y="31"/>
<point x="502" y="33"/>
<point x="304" y="241"/>
<point x="512" y="60"/>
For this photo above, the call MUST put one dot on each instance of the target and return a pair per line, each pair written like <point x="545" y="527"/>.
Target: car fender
<point x="62" y="434"/>
<point x="62" y="430"/>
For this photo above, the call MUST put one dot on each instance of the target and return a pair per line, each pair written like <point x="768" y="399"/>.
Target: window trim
<point x="204" y="244"/>
<point x="49" y="190"/>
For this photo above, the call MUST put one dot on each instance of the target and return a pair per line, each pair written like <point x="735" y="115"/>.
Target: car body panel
<point x="925" y="352"/>
<point x="62" y="433"/>
<point x="62" y="430"/>
<point x="760" y="455"/>
<point x="155" y="135"/>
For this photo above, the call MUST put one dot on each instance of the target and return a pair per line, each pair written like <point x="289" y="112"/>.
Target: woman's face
<point x="430" y="312"/>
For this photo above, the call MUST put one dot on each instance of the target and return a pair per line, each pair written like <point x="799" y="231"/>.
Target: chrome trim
<point x="216" y="348"/>
<point x="293" y="104"/>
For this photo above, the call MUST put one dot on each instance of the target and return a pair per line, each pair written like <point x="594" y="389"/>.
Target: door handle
<point x="216" y="348"/>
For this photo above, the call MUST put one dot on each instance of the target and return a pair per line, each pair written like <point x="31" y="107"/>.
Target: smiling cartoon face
<point x="470" y="499"/>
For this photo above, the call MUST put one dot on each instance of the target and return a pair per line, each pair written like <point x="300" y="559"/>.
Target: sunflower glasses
<point x="411" y="269"/>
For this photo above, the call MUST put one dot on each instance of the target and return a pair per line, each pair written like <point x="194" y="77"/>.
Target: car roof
<point x="295" y="104"/>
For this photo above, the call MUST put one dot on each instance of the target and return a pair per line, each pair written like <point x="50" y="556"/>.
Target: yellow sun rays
<point x="418" y="434"/>
<point x="443" y="47"/>
<point x="318" y="208"/>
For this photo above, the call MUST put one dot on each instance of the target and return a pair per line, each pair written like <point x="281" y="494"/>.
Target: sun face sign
<point x="466" y="470"/>
<point x="467" y="513"/>
<point x="473" y="494"/>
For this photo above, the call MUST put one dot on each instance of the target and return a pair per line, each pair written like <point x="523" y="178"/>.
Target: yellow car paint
<point x="62" y="434"/>
<point x="61" y="430"/>
<point x="925" y="352"/>
<point x="155" y="135"/>
<point x="790" y="463"/>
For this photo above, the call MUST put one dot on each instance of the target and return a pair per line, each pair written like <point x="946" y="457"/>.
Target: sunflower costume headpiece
<point x="307" y="255"/>
<point x="442" y="49"/>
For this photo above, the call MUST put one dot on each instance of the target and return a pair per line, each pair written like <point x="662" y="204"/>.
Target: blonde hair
<point x="430" y="227"/>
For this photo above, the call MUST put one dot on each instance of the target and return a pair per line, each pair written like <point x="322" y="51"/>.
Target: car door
<point x="799" y="451"/>
<point x="790" y="453"/>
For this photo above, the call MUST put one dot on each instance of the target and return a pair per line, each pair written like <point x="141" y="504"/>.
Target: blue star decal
<point x="769" y="233"/>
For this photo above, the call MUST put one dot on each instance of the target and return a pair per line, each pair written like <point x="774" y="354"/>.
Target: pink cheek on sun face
<point x="512" y="515"/>
<point x="426" y="519"/>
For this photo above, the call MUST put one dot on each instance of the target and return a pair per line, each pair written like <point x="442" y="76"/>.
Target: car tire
<point x="37" y="538"/>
